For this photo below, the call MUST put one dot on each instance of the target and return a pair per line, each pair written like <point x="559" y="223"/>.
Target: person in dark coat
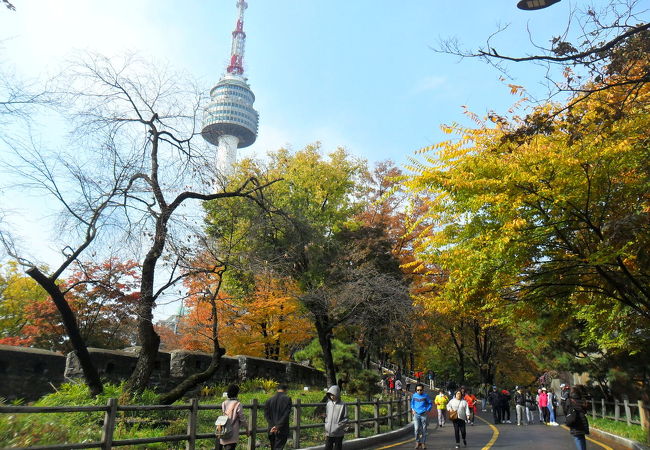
<point x="494" y="401"/>
<point x="576" y="417"/>
<point x="276" y="411"/>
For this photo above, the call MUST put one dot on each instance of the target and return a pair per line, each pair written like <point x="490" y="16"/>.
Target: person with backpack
<point x="336" y="419"/>
<point x="232" y="419"/>
<point x="576" y="417"/>
<point x="277" y="410"/>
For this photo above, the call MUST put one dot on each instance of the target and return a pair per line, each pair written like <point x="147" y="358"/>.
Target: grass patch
<point x="634" y="432"/>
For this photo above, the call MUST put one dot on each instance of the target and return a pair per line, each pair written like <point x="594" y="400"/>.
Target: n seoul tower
<point x="230" y="122"/>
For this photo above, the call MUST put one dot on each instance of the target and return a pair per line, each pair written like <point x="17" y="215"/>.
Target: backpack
<point x="223" y="424"/>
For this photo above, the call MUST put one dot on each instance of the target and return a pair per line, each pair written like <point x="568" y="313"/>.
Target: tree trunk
<point x="193" y="380"/>
<point x="325" y="340"/>
<point x="70" y="323"/>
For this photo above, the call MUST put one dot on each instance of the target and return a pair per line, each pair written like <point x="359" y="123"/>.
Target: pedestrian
<point x="565" y="392"/>
<point x="520" y="405"/>
<point x="471" y="402"/>
<point x="483" y="392"/>
<point x="336" y="419"/>
<point x="551" y="404"/>
<point x="458" y="413"/>
<point x="398" y="388"/>
<point x="391" y="385"/>
<point x="494" y="401"/>
<point x="504" y="401"/>
<point x="531" y="406"/>
<point x="420" y="406"/>
<point x="576" y="417"/>
<point x="233" y="409"/>
<point x="277" y="410"/>
<point x="543" y="406"/>
<point x="441" y="401"/>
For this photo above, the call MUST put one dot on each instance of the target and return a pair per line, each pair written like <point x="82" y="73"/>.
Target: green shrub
<point x="364" y="383"/>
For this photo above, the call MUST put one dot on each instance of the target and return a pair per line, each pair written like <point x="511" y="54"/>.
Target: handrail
<point x="398" y="413"/>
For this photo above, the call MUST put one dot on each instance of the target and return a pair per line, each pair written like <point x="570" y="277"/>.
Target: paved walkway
<point x="485" y="435"/>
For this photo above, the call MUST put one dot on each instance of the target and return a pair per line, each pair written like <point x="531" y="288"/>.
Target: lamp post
<point x="532" y="5"/>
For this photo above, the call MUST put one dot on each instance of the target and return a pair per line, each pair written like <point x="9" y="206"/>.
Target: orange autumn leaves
<point x="267" y="323"/>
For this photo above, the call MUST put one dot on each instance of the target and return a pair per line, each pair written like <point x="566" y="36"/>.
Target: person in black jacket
<point x="276" y="411"/>
<point x="576" y="418"/>
<point x="494" y="401"/>
<point x="520" y="405"/>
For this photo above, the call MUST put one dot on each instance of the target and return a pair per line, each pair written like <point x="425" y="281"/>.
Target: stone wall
<point x="29" y="373"/>
<point x="117" y="365"/>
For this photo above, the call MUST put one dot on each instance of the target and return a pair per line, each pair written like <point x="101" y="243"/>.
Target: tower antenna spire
<point x="236" y="66"/>
<point x="230" y="122"/>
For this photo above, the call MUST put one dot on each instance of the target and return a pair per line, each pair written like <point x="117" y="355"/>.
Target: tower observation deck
<point x="229" y="121"/>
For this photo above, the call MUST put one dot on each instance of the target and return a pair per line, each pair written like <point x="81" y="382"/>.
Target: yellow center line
<point x="606" y="447"/>
<point x="495" y="433"/>
<point x="399" y="443"/>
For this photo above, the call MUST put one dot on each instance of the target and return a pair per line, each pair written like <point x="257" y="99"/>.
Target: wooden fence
<point x="633" y="413"/>
<point x="398" y="413"/>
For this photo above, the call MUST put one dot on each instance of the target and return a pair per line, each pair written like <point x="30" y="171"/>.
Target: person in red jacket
<point x="471" y="402"/>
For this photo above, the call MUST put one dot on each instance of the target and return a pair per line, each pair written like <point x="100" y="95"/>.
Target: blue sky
<point x="357" y="73"/>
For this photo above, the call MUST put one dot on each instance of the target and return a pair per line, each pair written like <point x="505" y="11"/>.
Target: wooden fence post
<point x="644" y="418"/>
<point x="628" y="413"/>
<point x="390" y="415"/>
<point x="593" y="409"/>
<point x="191" y="424"/>
<point x="357" y="418"/>
<point x="617" y="410"/>
<point x="602" y="408"/>
<point x="109" y="424"/>
<point x="399" y="413"/>
<point x="409" y="413"/>
<point x="296" y="424"/>
<point x="252" y="426"/>
<point x="376" y="416"/>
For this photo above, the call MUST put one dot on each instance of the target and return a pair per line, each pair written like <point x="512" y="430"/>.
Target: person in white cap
<point x="564" y="397"/>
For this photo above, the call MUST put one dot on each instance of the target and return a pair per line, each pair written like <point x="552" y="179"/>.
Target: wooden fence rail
<point x="399" y="413"/>
<point x="634" y="413"/>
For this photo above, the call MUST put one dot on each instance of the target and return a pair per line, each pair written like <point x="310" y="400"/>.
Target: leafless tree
<point x="598" y="49"/>
<point x="136" y="136"/>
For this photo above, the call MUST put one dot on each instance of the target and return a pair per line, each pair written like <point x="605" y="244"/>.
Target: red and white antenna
<point x="236" y="66"/>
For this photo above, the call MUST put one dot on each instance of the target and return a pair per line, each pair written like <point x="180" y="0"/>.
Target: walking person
<point x="336" y="419"/>
<point x="471" y="402"/>
<point x="420" y="406"/>
<point x="277" y="410"/>
<point x="576" y="417"/>
<point x="543" y="405"/>
<point x="441" y="401"/>
<point x="520" y="405"/>
<point x="458" y="414"/>
<point x="505" y="406"/>
<point x="494" y="401"/>
<point x="531" y="406"/>
<point x="234" y="410"/>
<point x="551" y="404"/>
<point x="565" y="392"/>
<point x="398" y="388"/>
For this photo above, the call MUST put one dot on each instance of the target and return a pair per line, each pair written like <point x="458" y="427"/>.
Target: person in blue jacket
<point x="421" y="404"/>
